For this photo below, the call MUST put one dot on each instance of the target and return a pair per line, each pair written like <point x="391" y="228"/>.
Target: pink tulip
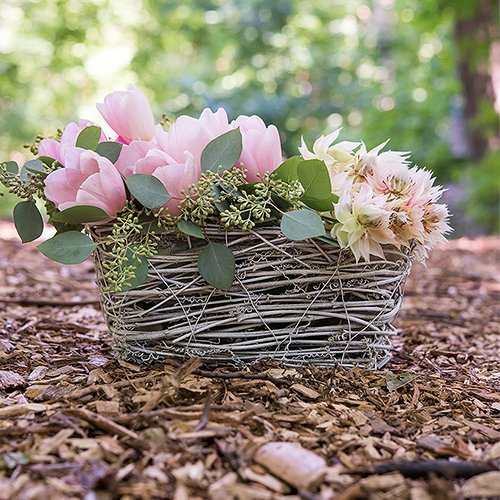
<point x="261" y="146"/>
<point x="129" y="114"/>
<point x="55" y="149"/>
<point x="130" y="155"/>
<point x="176" y="177"/>
<point x="86" y="179"/>
<point x="191" y="135"/>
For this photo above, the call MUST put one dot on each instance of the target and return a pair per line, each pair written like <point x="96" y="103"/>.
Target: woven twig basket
<point x="300" y="303"/>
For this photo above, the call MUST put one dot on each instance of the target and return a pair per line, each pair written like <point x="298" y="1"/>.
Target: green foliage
<point x="378" y="69"/>
<point x="88" y="138"/>
<point x="190" y="228"/>
<point x="80" y="215"/>
<point x="148" y="190"/>
<point x="315" y="179"/>
<point x="28" y="221"/>
<point x="70" y="247"/>
<point x="216" y="265"/>
<point x="483" y="197"/>
<point x="110" y="150"/>
<point x="299" y="225"/>
<point x="223" y="152"/>
<point x="134" y="237"/>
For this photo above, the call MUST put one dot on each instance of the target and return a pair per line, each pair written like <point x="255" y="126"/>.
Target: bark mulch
<point x="75" y="423"/>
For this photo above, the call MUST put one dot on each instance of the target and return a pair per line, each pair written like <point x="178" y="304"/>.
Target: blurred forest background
<point x="421" y="72"/>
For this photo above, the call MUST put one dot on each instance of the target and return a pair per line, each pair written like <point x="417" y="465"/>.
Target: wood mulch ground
<point x="75" y="423"/>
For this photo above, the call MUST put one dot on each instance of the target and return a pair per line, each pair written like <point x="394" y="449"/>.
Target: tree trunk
<point x="475" y="35"/>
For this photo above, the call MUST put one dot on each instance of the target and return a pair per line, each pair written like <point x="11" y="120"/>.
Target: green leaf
<point x="148" y="190"/>
<point x="63" y="228"/>
<point x="302" y="224"/>
<point x="83" y="214"/>
<point x="190" y="228"/>
<point x="314" y="177"/>
<point x="34" y="167"/>
<point x="70" y="247"/>
<point x="224" y="151"/>
<point x="28" y="221"/>
<point x="46" y="160"/>
<point x="287" y="171"/>
<point x="140" y="264"/>
<point x="110" y="150"/>
<point x="216" y="265"/>
<point x="320" y="204"/>
<point x="88" y="138"/>
<point x="221" y="205"/>
<point x="328" y="239"/>
<point x="11" y="167"/>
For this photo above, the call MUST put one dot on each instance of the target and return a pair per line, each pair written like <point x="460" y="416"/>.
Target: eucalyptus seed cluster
<point x="25" y="189"/>
<point x="135" y="233"/>
<point x="204" y="200"/>
<point x="226" y="197"/>
<point x="260" y="202"/>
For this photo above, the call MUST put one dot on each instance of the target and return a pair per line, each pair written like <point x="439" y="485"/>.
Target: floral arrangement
<point x="182" y="176"/>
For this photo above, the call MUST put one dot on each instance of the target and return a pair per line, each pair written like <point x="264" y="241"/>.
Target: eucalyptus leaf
<point x="70" y="247"/>
<point x="140" y="265"/>
<point x="287" y="171"/>
<point x="328" y="239"/>
<point x="315" y="179"/>
<point x="28" y="221"/>
<point x="89" y="137"/>
<point x="110" y="150"/>
<point x="83" y="214"/>
<point x="222" y="152"/>
<point x="320" y="204"/>
<point x="11" y="167"/>
<point x="190" y="228"/>
<point x="299" y="225"/>
<point x="217" y="265"/>
<point x="221" y="205"/>
<point x="148" y="190"/>
<point x="33" y="167"/>
<point x="47" y="160"/>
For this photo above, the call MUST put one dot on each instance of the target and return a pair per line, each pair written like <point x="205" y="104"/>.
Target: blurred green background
<point x="421" y="72"/>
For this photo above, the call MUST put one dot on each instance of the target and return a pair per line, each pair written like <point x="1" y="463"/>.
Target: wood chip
<point x="293" y="464"/>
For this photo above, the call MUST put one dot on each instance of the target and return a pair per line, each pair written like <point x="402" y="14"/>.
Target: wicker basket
<point x="300" y="303"/>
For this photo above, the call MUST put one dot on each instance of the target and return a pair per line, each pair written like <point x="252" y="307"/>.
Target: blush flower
<point x="86" y="179"/>
<point x="176" y="177"/>
<point x="191" y="135"/>
<point x="129" y="114"/>
<point x="337" y="157"/>
<point x="261" y="151"/>
<point x="363" y="223"/>
<point x="55" y="149"/>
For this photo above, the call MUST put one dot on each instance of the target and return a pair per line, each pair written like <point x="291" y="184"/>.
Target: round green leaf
<point x="140" y="264"/>
<point x="11" y="166"/>
<point x="299" y="225"/>
<point x="287" y="171"/>
<point x="320" y="204"/>
<point x="88" y="138"/>
<point x="110" y="150"/>
<point x="148" y="190"/>
<point x="33" y="167"/>
<point x="216" y="264"/>
<point x="70" y="247"/>
<point x="190" y="228"/>
<point x="28" y="221"/>
<point x="83" y="214"/>
<point x="315" y="179"/>
<point x="224" y="151"/>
